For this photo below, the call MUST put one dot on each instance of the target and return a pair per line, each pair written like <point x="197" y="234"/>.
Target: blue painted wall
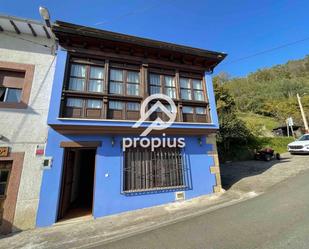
<point x="108" y="197"/>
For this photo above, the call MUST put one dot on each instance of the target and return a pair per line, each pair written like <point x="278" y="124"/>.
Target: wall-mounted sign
<point x="40" y="150"/>
<point x="4" y="151"/>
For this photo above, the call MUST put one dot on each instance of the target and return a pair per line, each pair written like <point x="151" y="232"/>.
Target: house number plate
<point x="4" y="151"/>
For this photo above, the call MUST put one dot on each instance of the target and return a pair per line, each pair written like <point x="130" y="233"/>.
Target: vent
<point x="180" y="196"/>
<point x="47" y="163"/>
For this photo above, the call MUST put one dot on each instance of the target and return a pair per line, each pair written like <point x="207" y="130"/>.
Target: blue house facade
<point x="101" y="79"/>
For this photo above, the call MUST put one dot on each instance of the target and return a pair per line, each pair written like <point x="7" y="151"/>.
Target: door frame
<point x="67" y="145"/>
<point x="17" y="159"/>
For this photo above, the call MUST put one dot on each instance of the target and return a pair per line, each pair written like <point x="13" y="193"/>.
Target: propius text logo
<point x="158" y="124"/>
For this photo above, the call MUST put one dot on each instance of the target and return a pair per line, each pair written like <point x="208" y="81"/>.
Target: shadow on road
<point x="235" y="171"/>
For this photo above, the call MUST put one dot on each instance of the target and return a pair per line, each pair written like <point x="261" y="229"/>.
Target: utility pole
<point x="302" y="113"/>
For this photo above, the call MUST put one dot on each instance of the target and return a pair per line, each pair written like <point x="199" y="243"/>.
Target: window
<point x="158" y="113"/>
<point x="132" y="83"/>
<point x="11" y="86"/>
<point x="86" y="78"/>
<point x="194" y="114"/>
<point x="162" y="84"/>
<point x="185" y="89"/>
<point x="83" y="108"/>
<point x="124" y="82"/>
<point x="191" y="89"/>
<point x="155" y="83"/>
<point x="198" y="90"/>
<point x="95" y="104"/>
<point x="123" y="110"/>
<point x="146" y="170"/>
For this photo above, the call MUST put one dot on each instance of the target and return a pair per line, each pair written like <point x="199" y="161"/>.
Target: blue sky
<point x="238" y="27"/>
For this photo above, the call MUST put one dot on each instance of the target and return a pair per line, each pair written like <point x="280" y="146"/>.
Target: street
<point x="276" y="219"/>
<point x="266" y="206"/>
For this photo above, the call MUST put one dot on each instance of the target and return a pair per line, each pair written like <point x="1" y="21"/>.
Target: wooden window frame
<point x="28" y="69"/>
<point x="84" y="108"/>
<point x="192" y="89"/>
<point x="88" y="65"/>
<point x="162" y="85"/>
<point x="17" y="159"/>
<point x="196" y="115"/>
<point x="125" y="82"/>
<point x="125" y="112"/>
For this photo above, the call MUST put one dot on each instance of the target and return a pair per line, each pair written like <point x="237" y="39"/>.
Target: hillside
<point x="270" y="93"/>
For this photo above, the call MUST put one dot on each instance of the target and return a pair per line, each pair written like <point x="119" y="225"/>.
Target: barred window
<point x="146" y="170"/>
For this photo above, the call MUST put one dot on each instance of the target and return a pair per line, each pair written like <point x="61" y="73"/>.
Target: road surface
<point x="276" y="219"/>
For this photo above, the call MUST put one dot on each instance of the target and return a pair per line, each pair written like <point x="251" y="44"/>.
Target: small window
<point x="116" y="81"/>
<point x="11" y="84"/>
<point x="191" y="89"/>
<point x="124" y="79"/>
<point x="187" y="109"/>
<point x="77" y="77"/>
<point x="198" y="90"/>
<point x="132" y="83"/>
<point x="10" y="95"/>
<point x="132" y="106"/>
<point x="170" y="86"/>
<point x="200" y="110"/>
<point x="116" y="105"/>
<point x="185" y="89"/>
<point x="72" y="102"/>
<point x="155" y="83"/>
<point x="162" y="83"/>
<point x="93" y="103"/>
<point x="194" y="114"/>
<point x="84" y="75"/>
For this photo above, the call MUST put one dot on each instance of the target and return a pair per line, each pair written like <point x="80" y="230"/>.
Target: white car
<point x="301" y="145"/>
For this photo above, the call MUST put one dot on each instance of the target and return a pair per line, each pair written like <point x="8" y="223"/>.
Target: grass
<point x="259" y="125"/>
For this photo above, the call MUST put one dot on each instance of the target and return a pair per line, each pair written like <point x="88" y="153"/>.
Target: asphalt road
<point x="276" y="219"/>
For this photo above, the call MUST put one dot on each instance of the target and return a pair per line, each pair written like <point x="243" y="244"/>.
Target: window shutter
<point x="12" y="79"/>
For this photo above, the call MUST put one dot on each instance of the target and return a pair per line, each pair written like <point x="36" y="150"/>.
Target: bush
<point x="241" y="152"/>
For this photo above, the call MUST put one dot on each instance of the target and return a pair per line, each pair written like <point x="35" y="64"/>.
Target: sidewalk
<point x="74" y="234"/>
<point x="244" y="180"/>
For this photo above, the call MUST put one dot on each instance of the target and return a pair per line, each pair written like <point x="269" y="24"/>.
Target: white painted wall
<point x="24" y="129"/>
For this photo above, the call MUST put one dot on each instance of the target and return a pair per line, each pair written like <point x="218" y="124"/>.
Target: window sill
<point x="154" y="190"/>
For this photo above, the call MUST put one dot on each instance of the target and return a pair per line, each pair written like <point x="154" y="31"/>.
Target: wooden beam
<point x="15" y="27"/>
<point x="116" y="130"/>
<point x="80" y="144"/>
<point x="32" y="29"/>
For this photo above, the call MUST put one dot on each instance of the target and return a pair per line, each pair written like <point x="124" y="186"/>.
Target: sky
<point x="240" y="28"/>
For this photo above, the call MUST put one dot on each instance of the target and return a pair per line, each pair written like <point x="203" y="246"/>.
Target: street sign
<point x="290" y="121"/>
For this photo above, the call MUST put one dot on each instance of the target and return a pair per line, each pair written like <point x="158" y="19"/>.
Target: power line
<point x="131" y="13"/>
<point x="266" y="51"/>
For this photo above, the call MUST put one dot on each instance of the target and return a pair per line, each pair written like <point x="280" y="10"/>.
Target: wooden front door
<point x="67" y="180"/>
<point x="5" y="170"/>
